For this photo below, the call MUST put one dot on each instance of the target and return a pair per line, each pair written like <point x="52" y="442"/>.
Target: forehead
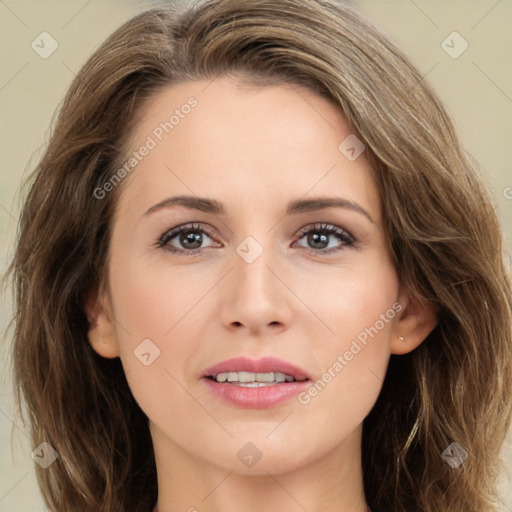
<point x="251" y="144"/>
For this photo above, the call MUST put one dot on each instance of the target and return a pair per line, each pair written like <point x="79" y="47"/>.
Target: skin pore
<point x="255" y="150"/>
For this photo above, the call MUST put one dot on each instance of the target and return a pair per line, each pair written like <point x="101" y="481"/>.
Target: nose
<point x="256" y="297"/>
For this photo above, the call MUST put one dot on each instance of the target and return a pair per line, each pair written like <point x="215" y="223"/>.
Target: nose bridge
<point x="256" y="297"/>
<point x="252" y="261"/>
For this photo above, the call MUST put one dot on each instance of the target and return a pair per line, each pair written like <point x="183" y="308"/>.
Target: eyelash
<point x="342" y="235"/>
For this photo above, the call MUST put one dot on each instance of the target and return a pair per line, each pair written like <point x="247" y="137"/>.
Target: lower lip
<point x="256" y="398"/>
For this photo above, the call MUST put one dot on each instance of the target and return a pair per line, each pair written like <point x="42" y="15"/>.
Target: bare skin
<point x="255" y="150"/>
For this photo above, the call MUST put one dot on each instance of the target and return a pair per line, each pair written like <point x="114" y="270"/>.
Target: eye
<point x="319" y="237"/>
<point x="188" y="239"/>
<point x="184" y="239"/>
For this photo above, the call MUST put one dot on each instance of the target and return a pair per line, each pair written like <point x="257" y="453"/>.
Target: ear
<point x="415" y="322"/>
<point x="101" y="333"/>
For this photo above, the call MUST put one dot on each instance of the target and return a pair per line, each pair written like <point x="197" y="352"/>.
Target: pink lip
<point x="259" y="397"/>
<point x="263" y="365"/>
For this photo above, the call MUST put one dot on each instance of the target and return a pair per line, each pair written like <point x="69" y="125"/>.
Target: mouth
<point x="253" y="380"/>
<point x="245" y="372"/>
<point x="255" y="383"/>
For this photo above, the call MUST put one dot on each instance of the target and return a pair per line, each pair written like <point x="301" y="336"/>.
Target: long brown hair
<point x="443" y="232"/>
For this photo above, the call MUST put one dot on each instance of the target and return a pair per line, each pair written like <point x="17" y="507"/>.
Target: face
<point x="251" y="266"/>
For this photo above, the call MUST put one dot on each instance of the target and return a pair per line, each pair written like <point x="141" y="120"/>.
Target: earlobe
<point x="415" y="322"/>
<point x="101" y="331"/>
<point x="107" y="347"/>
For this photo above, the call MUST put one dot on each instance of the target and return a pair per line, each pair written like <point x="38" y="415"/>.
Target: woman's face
<point x="262" y="270"/>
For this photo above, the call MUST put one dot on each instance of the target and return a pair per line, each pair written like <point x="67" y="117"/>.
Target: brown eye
<point x="320" y="236"/>
<point x="187" y="239"/>
<point x="190" y="239"/>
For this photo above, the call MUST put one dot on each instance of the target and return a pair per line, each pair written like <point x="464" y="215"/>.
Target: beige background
<point x="476" y="86"/>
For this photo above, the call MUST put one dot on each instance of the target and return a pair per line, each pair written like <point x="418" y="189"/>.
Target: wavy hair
<point x="443" y="232"/>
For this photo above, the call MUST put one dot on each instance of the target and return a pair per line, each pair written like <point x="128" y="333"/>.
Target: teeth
<point x="254" y="384"/>
<point x="253" y="378"/>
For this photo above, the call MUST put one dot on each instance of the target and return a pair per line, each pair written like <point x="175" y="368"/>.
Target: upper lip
<point x="263" y="365"/>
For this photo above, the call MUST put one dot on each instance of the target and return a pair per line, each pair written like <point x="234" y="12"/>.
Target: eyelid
<point x="323" y="226"/>
<point x="188" y="226"/>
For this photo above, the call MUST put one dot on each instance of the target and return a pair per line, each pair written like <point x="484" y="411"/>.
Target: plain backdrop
<point x="475" y="85"/>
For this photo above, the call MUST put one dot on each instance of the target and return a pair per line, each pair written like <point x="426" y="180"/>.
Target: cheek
<point x="357" y="298"/>
<point x="157" y="309"/>
<point x="153" y="331"/>
<point x="359" y="307"/>
<point x="149" y="300"/>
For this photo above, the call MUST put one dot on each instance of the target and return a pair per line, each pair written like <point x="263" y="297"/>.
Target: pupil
<point x="191" y="237"/>
<point x="317" y="238"/>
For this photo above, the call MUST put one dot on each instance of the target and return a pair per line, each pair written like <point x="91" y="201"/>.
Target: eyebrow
<point x="214" y="207"/>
